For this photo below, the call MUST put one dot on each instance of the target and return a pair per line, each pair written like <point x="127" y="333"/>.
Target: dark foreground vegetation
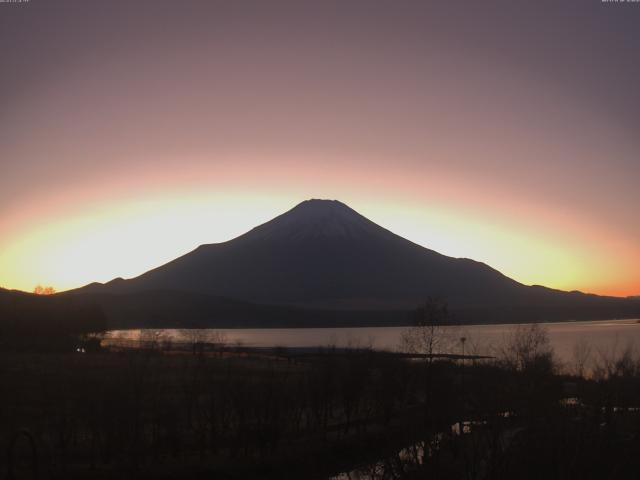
<point x="214" y="412"/>
<point x="45" y="322"/>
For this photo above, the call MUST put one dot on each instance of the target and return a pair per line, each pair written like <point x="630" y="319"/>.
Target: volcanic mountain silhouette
<point x="323" y="254"/>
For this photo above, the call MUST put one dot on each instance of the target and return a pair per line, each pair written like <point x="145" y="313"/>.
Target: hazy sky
<point x="133" y="131"/>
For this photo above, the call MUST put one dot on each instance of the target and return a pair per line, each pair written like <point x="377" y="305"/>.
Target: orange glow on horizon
<point x="81" y="238"/>
<point x="489" y="137"/>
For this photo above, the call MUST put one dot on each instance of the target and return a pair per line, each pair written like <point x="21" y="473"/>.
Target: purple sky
<point x="522" y="113"/>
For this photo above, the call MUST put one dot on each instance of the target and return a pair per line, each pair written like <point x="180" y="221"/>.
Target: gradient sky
<point x="503" y="131"/>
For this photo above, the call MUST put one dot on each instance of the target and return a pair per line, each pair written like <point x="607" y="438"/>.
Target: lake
<point x="602" y="337"/>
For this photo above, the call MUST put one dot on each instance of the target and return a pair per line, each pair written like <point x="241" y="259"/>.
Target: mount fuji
<point x="323" y="255"/>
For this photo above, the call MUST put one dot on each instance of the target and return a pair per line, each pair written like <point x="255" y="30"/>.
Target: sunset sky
<point x="507" y="132"/>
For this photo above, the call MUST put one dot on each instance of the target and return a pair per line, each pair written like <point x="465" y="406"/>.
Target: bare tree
<point x="40" y="290"/>
<point x="217" y="340"/>
<point x="149" y="338"/>
<point x="615" y="362"/>
<point x="527" y="347"/>
<point x="193" y="338"/>
<point x="428" y="336"/>
<point x="581" y="357"/>
<point x="197" y="338"/>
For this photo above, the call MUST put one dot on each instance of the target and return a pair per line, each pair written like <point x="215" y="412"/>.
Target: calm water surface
<point x="601" y="336"/>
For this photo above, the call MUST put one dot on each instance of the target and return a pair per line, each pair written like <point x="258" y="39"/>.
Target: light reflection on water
<point x="409" y="459"/>
<point x="601" y="336"/>
<point x="406" y="460"/>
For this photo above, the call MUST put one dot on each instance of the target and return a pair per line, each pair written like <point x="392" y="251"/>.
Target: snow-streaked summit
<point x="317" y="218"/>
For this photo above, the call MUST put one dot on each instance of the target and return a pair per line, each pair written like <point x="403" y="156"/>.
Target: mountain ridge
<point x="322" y="254"/>
<point x="319" y="251"/>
